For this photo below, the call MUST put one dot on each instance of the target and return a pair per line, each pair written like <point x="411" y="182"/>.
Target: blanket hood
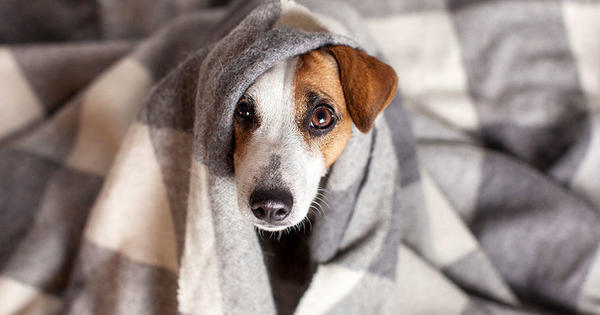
<point x="270" y="33"/>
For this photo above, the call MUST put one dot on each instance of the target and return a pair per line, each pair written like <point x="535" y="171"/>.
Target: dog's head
<point x="294" y="121"/>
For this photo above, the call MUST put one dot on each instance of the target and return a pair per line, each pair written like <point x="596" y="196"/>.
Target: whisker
<point x="322" y="196"/>
<point x="321" y="191"/>
<point x="316" y="210"/>
<point x="260" y="235"/>
<point x="323" y="201"/>
<point x="321" y="207"/>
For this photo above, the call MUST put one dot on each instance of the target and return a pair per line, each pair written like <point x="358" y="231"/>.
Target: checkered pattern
<point x="477" y="192"/>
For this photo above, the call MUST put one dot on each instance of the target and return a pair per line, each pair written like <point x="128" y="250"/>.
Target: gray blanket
<point x="476" y="192"/>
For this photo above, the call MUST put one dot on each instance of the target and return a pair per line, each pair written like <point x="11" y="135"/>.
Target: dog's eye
<point x="244" y="109"/>
<point x="322" y="117"/>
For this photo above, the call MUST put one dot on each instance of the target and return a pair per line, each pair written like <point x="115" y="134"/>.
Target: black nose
<point x="271" y="205"/>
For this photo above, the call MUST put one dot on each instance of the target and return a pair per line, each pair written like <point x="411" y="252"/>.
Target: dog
<point x="293" y="123"/>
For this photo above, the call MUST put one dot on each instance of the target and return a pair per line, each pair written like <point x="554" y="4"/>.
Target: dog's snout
<point x="272" y="206"/>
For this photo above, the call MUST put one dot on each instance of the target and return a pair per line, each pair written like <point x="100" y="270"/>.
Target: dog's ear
<point x="369" y="85"/>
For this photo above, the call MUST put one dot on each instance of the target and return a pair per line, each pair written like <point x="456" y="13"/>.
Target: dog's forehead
<point x="273" y="91"/>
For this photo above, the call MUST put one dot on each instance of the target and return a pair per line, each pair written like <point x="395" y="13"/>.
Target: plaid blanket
<point x="477" y="191"/>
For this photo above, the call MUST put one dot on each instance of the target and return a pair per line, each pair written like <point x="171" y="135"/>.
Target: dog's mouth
<point x="281" y="227"/>
<point x="277" y="226"/>
<point x="272" y="228"/>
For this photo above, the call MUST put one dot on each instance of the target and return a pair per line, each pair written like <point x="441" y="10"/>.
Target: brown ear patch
<point x="369" y="85"/>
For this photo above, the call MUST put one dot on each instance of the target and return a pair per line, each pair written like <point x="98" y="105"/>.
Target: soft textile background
<point x="498" y="214"/>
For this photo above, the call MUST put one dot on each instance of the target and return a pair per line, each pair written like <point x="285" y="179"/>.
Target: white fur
<point x="278" y="134"/>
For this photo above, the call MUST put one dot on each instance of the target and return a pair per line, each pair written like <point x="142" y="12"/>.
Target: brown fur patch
<point x="240" y="142"/>
<point x="317" y="73"/>
<point x="241" y="137"/>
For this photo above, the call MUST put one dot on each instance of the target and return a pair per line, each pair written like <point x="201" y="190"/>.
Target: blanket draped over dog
<point x="476" y="192"/>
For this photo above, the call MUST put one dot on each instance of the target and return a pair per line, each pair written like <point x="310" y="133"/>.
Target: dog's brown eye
<point x="244" y="109"/>
<point x="322" y="117"/>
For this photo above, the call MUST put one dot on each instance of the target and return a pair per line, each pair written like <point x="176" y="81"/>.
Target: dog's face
<point x="294" y="121"/>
